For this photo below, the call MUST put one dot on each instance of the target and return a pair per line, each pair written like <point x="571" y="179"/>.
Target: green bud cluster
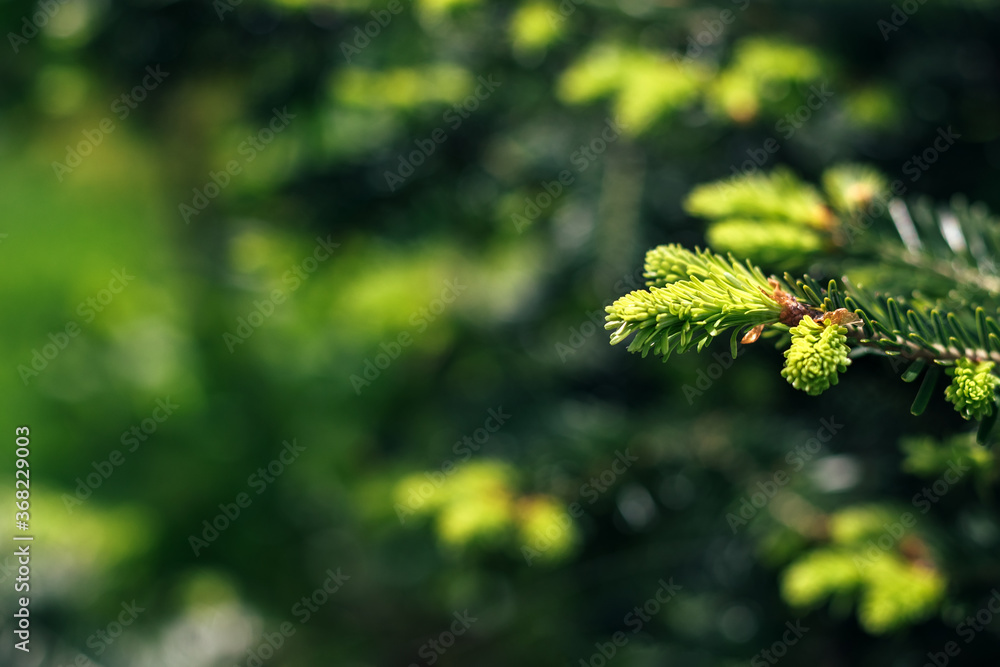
<point x="817" y="354"/>
<point x="973" y="388"/>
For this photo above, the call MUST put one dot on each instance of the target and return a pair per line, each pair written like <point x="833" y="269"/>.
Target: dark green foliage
<point x="530" y="215"/>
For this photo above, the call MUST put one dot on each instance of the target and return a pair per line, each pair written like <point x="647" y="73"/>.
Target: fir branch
<point x="693" y="297"/>
<point x="913" y="351"/>
<point x="778" y="195"/>
<point x="696" y="296"/>
<point x="955" y="273"/>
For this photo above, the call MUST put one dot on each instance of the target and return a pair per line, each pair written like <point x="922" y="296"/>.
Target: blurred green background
<point x="339" y="267"/>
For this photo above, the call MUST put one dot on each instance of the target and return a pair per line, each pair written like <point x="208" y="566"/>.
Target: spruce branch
<point x="764" y="217"/>
<point x="776" y="219"/>
<point x="939" y="307"/>
<point x="694" y="297"/>
<point x="940" y="252"/>
<point x="960" y="274"/>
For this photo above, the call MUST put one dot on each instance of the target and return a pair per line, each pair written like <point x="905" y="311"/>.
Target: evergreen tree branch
<point x="694" y="297"/>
